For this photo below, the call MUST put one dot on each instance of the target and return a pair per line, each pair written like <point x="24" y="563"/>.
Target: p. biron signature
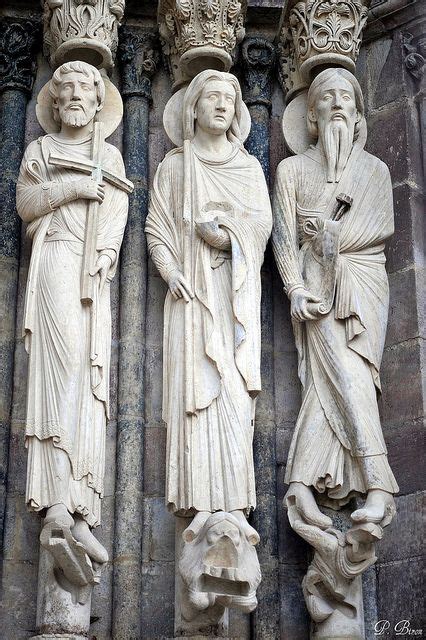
<point x="401" y="628"/>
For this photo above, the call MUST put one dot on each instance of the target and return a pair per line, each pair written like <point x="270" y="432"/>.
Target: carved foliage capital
<point x="83" y="29"/>
<point x="317" y="32"/>
<point x="258" y="61"/>
<point x="139" y="56"/>
<point x="18" y="39"/>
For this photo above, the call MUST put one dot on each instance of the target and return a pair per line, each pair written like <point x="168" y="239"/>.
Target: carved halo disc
<point x="294" y="126"/>
<point x="173" y="120"/>
<point x="110" y="115"/>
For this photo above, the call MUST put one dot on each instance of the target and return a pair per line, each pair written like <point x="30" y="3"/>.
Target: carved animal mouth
<point x="224" y="584"/>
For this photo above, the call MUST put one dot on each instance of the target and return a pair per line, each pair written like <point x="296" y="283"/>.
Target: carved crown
<point x="200" y="34"/>
<point x="318" y="32"/>
<point x="82" y="30"/>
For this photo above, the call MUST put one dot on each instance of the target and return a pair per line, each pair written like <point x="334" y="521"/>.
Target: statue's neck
<point x="74" y="134"/>
<point x="212" y="147"/>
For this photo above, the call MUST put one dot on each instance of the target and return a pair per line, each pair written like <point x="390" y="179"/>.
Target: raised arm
<point x="36" y="195"/>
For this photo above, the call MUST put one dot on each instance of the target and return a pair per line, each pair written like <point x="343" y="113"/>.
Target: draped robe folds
<point x="69" y="344"/>
<point x="338" y="445"/>
<point x="209" y="453"/>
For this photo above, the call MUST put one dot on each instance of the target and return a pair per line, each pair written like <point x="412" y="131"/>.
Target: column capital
<point x="258" y="57"/>
<point x="414" y="52"/>
<point x="18" y="44"/>
<point x="139" y="56"/>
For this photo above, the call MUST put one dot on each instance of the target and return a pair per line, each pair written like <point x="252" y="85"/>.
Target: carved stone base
<point x="65" y="583"/>
<point x="217" y="568"/>
<point x="339" y="625"/>
<point x="213" y="622"/>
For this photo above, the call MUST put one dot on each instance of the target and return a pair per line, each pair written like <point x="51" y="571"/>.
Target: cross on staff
<point x="99" y="174"/>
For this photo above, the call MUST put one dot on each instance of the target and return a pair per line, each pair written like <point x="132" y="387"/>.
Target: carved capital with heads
<point x="18" y="41"/>
<point x="414" y="51"/>
<point x="319" y="32"/>
<point x="82" y="30"/>
<point x="200" y="34"/>
<point x="258" y="62"/>
<point x="139" y="55"/>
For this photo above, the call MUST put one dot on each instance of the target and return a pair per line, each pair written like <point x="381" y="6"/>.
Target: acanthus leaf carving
<point x="208" y="29"/>
<point x="88" y="27"/>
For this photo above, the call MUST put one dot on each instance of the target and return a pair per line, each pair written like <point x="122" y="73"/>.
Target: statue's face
<point x="335" y="105"/>
<point x="215" y="108"/>
<point x="77" y="100"/>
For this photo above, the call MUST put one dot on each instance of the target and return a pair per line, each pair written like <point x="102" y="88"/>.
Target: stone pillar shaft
<point x="138" y="57"/>
<point x="258" y="59"/>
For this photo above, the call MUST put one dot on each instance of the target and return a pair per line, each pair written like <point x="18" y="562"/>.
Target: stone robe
<point x="338" y="446"/>
<point x="209" y="453"/>
<point x="69" y="344"/>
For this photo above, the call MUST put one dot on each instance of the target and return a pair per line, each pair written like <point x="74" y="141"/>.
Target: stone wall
<point x="393" y="89"/>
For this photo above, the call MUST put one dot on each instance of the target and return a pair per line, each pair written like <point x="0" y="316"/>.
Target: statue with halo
<point x="207" y="228"/>
<point x="73" y="195"/>
<point x="333" y="213"/>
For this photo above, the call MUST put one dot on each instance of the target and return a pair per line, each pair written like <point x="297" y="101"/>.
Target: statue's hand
<point x="102" y="267"/>
<point x="299" y="299"/>
<point x="179" y="286"/>
<point x="211" y="233"/>
<point x="88" y="189"/>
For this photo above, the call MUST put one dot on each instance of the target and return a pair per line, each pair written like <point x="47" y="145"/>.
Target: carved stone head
<point x="215" y="98"/>
<point x="78" y="93"/>
<point x="219" y="564"/>
<point x="325" y="88"/>
<point x="335" y="111"/>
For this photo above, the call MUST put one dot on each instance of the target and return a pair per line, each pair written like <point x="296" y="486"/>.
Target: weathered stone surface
<point x="157" y="601"/>
<point x="294" y="619"/>
<point x="404" y="538"/>
<point x="405" y="441"/>
<point x="402" y="392"/>
<point x="369" y="592"/>
<point x="397" y="143"/>
<point x="406" y="247"/>
<point x="155" y="461"/>
<point x="400" y="590"/>
<point x="403" y="321"/>
<point x="19" y="581"/>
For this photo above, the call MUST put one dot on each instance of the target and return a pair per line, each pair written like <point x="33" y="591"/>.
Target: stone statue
<point x="76" y="223"/>
<point x="207" y="229"/>
<point x="332" y="215"/>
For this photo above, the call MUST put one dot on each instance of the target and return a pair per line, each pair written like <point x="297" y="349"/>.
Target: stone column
<point x="138" y="57"/>
<point x="18" y="39"/>
<point x="258" y="63"/>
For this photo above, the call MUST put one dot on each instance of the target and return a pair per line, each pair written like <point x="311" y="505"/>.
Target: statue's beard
<point x="337" y="141"/>
<point x="75" y="117"/>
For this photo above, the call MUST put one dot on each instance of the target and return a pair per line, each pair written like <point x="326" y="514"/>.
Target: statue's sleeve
<point x="36" y="195"/>
<point x="284" y="234"/>
<point x="160" y="228"/>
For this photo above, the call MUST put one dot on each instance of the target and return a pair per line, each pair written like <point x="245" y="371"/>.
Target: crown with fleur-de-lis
<point x="319" y="32"/>
<point x="200" y="34"/>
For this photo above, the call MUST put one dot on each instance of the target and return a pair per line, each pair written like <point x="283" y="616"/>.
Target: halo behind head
<point x="109" y="97"/>
<point x="179" y="113"/>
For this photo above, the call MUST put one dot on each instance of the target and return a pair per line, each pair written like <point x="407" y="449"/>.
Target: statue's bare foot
<point x="92" y="546"/>
<point x="379" y="508"/>
<point x="301" y="496"/>
<point x="59" y="514"/>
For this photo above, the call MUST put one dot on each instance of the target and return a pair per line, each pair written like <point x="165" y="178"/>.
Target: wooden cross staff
<point x="94" y="168"/>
